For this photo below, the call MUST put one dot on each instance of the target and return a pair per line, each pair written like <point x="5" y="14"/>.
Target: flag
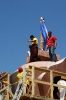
<point x="44" y="32"/>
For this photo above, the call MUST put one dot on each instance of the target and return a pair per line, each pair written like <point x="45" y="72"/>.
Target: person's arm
<point x="46" y="44"/>
<point x="30" y="40"/>
<point x="34" y="40"/>
<point x="55" y="44"/>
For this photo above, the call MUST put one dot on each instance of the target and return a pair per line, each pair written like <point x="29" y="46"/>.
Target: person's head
<point x="3" y="73"/>
<point x="31" y="37"/>
<point x="49" y="33"/>
<point x="20" y="69"/>
<point x="56" y="79"/>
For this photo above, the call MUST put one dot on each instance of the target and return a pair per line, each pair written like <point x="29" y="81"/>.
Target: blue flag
<point x="44" y="32"/>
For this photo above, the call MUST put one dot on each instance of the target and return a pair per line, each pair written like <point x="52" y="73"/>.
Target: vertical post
<point x="33" y="90"/>
<point x="51" y="81"/>
<point x="24" y="80"/>
<point x="41" y="41"/>
<point x="8" y="81"/>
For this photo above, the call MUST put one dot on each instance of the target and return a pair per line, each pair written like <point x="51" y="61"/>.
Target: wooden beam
<point x="10" y="93"/>
<point x="3" y="89"/>
<point x="42" y="69"/>
<point x="41" y="82"/>
<point x="59" y="73"/>
<point x="51" y="82"/>
<point x="6" y="97"/>
<point x="36" y="97"/>
<point x="8" y="81"/>
<point x="24" y="79"/>
<point x="33" y="91"/>
<point x="48" y="70"/>
<point x="61" y="86"/>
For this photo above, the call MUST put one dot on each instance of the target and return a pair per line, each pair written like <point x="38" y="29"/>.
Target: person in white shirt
<point x="62" y="91"/>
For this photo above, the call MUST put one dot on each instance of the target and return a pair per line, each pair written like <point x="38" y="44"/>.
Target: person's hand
<point x="46" y="47"/>
<point x="27" y="40"/>
<point x="58" y="94"/>
<point x="54" y="47"/>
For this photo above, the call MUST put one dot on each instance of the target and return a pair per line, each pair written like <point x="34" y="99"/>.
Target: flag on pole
<point x="43" y="31"/>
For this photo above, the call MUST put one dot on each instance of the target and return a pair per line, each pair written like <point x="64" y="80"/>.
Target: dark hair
<point x="31" y="36"/>
<point x="50" y="32"/>
<point x="56" y="79"/>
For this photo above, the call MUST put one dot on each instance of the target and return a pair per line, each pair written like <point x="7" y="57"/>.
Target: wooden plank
<point x="33" y="70"/>
<point x="61" y="86"/>
<point x="41" y="82"/>
<point x="24" y="79"/>
<point x="59" y="73"/>
<point x="35" y="97"/>
<point x="3" y="89"/>
<point x="41" y="98"/>
<point x="10" y="93"/>
<point x="51" y="81"/>
<point x="48" y="70"/>
<point x="8" y="81"/>
<point x="42" y="69"/>
<point x="63" y="77"/>
<point x="6" y="97"/>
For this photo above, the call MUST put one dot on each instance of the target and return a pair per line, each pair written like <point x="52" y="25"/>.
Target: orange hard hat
<point x="20" y="69"/>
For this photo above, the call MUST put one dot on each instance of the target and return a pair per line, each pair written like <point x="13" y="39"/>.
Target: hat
<point x="20" y="69"/>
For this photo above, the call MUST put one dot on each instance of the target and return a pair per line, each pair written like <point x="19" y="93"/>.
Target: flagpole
<point x="41" y="42"/>
<point x="44" y="34"/>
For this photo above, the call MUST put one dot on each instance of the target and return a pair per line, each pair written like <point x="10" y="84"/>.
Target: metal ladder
<point x="19" y="90"/>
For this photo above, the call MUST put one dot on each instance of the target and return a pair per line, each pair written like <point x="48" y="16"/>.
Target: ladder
<point x="19" y="90"/>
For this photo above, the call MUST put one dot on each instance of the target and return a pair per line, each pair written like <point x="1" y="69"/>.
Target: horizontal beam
<point x="60" y="86"/>
<point x="42" y="69"/>
<point x="59" y="73"/>
<point x="42" y="82"/>
<point x="48" y="70"/>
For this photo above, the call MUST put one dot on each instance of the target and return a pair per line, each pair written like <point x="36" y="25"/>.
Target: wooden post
<point x="51" y="81"/>
<point x="24" y="80"/>
<point x="41" y="42"/>
<point x="33" y="90"/>
<point x="8" y="81"/>
<point x="7" y="97"/>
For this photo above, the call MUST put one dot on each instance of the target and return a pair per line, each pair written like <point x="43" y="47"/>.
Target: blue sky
<point x="19" y="19"/>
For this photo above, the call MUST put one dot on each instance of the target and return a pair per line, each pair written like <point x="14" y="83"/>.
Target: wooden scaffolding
<point x="5" y="88"/>
<point x="31" y="92"/>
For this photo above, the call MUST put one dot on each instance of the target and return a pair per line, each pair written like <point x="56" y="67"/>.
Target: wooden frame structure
<point x="31" y="78"/>
<point x="32" y="69"/>
<point x="7" y="94"/>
